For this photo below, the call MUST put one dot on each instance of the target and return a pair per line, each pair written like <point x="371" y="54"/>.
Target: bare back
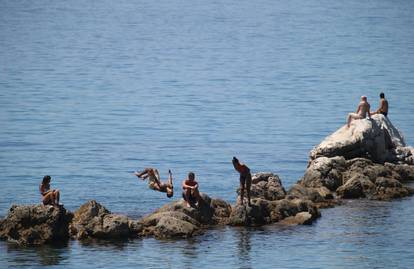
<point x="363" y="109"/>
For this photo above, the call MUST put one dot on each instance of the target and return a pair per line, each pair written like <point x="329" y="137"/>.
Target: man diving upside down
<point x="154" y="181"/>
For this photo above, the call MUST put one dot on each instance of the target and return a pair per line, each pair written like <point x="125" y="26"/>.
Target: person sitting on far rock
<point x="49" y="197"/>
<point x="362" y="111"/>
<point x="383" y="107"/>
<point x="154" y="181"/>
<point x="245" y="179"/>
<point x="191" y="194"/>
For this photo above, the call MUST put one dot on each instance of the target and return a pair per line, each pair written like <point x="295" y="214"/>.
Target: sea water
<point x="91" y="91"/>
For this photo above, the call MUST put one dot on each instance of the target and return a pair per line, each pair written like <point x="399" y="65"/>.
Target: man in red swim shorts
<point x="245" y="179"/>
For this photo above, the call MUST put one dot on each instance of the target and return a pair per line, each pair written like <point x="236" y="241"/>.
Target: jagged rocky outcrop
<point x="178" y="220"/>
<point x="375" y="139"/>
<point x="35" y="224"/>
<point x="92" y="220"/>
<point x="269" y="204"/>
<point x="368" y="160"/>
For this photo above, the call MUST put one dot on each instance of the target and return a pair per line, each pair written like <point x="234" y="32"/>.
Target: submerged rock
<point x="302" y="218"/>
<point x="35" y="224"/>
<point x="178" y="220"/>
<point x="94" y="220"/>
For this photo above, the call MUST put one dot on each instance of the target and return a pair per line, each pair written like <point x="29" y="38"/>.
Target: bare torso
<point x="383" y="108"/>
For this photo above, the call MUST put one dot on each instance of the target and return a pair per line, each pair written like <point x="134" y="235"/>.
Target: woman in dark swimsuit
<point x="49" y="197"/>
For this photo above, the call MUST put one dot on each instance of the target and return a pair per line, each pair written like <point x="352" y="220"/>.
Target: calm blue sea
<point x="91" y="91"/>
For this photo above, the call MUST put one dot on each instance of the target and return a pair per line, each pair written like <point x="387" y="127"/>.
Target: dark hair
<point x="235" y="160"/>
<point x="170" y="194"/>
<point x="46" y="179"/>
<point x="382" y="95"/>
<point x="191" y="175"/>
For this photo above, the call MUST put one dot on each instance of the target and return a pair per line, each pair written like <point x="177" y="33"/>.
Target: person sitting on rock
<point x="191" y="194"/>
<point x="362" y="111"/>
<point x="245" y="179"/>
<point x="154" y="181"/>
<point x="383" y="107"/>
<point x="49" y="197"/>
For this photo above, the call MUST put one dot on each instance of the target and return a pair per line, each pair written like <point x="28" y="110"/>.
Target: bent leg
<point x="195" y="193"/>
<point x="248" y="187"/>
<point x="352" y="116"/>
<point x="187" y="194"/>
<point x="242" y="187"/>
<point x="57" y="196"/>
<point x="143" y="173"/>
<point x="48" y="198"/>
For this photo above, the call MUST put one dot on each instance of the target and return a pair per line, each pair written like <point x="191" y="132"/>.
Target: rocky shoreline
<point x="369" y="160"/>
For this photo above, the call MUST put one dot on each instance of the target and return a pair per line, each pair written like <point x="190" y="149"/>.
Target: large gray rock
<point x="266" y="186"/>
<point x="355" y="162"/>
<point x="94" y="220"/>
<point x="178" y="220"/>
<point x="35" y="224"/>
<point x="265" y="212"/>
<point x="352" y="188"/>
<point x="324" y="172"/>
<point x="375" y="139"/>
<point x="389" y="188"/>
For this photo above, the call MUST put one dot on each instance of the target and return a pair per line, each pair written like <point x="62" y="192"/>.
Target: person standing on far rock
<point x="191" y="194"/>
<point x="383" y="107"/>
<point x="49" y="197"/>
<point x="362" y="111"/>
<point x="245" y="179"/>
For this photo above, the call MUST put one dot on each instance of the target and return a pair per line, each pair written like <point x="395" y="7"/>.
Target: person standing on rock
<point x="362" y="111"/>
<point x="383" y="107"/>
<point x="191" y="194"/>
<point x="49" y="197"/>
<point x="154" y="181"/>
<point x="245" y="179"/>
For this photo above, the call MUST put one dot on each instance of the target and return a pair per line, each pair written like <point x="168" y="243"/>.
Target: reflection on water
<point x="44" y="255"/>
<point x="244" y="247"/>
<point x="359" y="234"/>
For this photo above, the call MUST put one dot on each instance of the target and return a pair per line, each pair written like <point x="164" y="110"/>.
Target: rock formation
<point x="375" y="139"/>
<point x="35" y="225"/>
<point x="269" y="204"/>
<point x="369" y="160"/>
<point x="178" y="220"/>
<point x="94" y="220"/>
